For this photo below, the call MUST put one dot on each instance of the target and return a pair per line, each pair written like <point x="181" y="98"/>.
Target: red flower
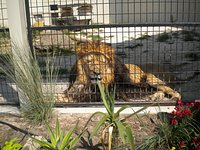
<point x="180" y="103"/>
<point x="191" y="104"/>
<point x="177" y="108"/>
<point x="196" y="140"/>
<point x="179" y="114"/>
<point x="173" y="113"/>
<point x="174" y="121"/>
<point x="182" y="144"/>
<point x="198" y="148"/>
<point x="186" y="112"/>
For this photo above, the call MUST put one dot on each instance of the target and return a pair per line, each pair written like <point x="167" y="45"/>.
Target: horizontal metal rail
<point x="188" y="24"/>
<point x="100" y="104"/>
<point x="133" y="103"/>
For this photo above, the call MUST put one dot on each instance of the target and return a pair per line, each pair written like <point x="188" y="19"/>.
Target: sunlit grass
<point x="21" y="67"/>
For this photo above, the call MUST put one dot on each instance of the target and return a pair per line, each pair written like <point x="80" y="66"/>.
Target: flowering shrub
<point x="185" y="126"/>
<point x="180" y="130"/>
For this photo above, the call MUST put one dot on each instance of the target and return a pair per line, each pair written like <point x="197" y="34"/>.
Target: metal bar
<point x="135" y="103"/>
<point x="29" y="30"/>
<point x="188" y="24"/>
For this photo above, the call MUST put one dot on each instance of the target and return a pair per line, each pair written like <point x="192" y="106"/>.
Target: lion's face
<point x="98" y="66"/>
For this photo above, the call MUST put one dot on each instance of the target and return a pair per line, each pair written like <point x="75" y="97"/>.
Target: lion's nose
<point x="95" y="76"/>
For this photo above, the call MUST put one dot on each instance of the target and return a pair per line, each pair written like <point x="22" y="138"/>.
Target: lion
<point x="97" y="61"/>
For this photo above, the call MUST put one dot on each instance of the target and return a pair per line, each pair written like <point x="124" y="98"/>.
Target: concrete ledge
<point x="90" y="110"/>
<point x="5" y="109"/>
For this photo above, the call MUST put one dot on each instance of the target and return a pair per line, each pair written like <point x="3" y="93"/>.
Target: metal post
<point x="29" y="34"/>
<point x="17" y="22"/>
<point x="18" y="31"/>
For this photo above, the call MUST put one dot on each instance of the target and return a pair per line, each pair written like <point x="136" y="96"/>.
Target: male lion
<point x="97" y="61"/>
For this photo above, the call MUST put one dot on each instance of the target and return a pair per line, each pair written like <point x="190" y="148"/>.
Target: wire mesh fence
<point x="141" y="47"/>
<point x="147" y="49"/>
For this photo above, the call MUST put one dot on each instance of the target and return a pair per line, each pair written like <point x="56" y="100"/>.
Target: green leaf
<point x="103" y="97"/>
<point x="99" y="124"/>
<point x="121" y="129"/>
<point x="134" y="113"/>
<point x="58" y="134"/>
<point x="51" y="136"/>
<point x="43" y="143"/>
<point x="130" y="138"/>
<point x="76" y="139"/>
<point x="67" y="138"/>
<point x="96" y="113"/>
<point x="58" y="130"/>
<point x="11" y="145"/>
<point x="116" y="115"/>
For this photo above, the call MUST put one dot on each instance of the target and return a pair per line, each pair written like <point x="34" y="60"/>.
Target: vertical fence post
<point x="17" y="22"/>
<point x="28" y="24"/>
<point x="17" y="28"/>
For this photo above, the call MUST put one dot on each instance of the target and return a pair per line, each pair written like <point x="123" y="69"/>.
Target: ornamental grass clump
<point x="21" y="67"/>
<point x="180" y="131"/>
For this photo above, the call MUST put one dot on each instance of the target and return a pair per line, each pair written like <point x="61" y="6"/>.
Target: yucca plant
<point x="58" y="140"/>
<point x="21" y="67"/>
<point x="111" y="123"/>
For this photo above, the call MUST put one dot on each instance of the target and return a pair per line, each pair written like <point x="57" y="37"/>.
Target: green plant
<point x="179" y="131"/>
<point x="35" y="33"/>
<point x="143" y="36"/>
<point x="134" y="46"/>
<point x="190" y="35"/>
<point x="58" y="140"/>
<point x="4" y="33"/>
<point x="163" y="37"/>
<point x="11" y="145"/>
<point x="95" y="37"/>
<point x="21" y="66"/>
<point x="113" y="126"/>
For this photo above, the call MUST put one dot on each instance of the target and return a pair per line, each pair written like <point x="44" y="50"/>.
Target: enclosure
<point x="147" y="37"/>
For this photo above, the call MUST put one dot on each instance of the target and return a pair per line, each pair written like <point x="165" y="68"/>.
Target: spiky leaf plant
<point x="58" y="140"/>
<point x="21" y="67"/>
<point x="111" y="123"/>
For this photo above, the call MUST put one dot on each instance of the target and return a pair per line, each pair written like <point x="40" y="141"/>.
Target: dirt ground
<point x="141" y="128"/>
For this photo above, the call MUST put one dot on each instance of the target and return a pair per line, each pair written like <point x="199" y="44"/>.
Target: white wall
<point x="147" y="11"/>
<point x="128" y="11"/>
<point x="100" y="9"/>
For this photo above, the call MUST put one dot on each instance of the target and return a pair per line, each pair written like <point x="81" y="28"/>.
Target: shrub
<point x="163" y="37"/>
<point x="180" y="131"/>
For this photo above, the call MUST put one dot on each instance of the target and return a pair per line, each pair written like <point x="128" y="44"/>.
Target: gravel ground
<point x="141" y="127"/>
